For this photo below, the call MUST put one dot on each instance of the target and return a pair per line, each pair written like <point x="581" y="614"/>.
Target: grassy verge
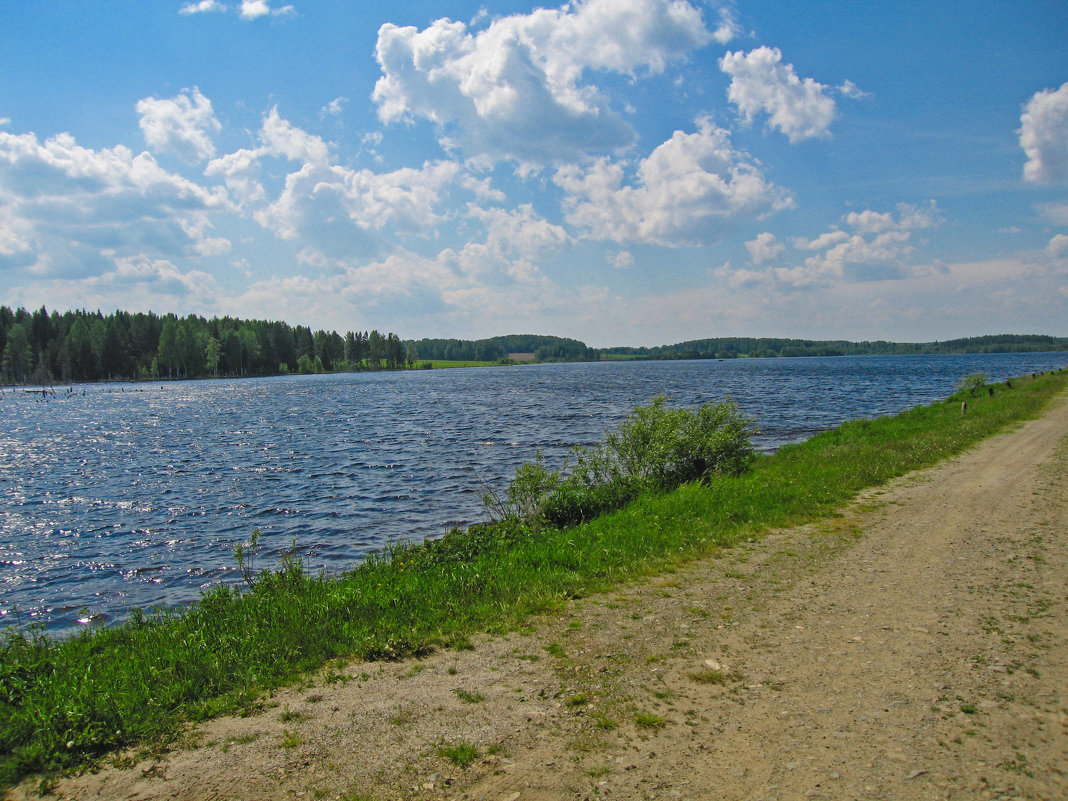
<point x="63" y="703"/>
<point x="443" y="364"/>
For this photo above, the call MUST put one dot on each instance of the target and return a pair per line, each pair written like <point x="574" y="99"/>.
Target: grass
<point x="460" y="754"/>
<point x="439" y="364"/>
<point x="470" y="697"/>
<point x="66" y="703"/>
<point x="650" y="720"/>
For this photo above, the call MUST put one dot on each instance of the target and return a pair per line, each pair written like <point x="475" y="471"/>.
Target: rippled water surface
<point x="134" y="495"/>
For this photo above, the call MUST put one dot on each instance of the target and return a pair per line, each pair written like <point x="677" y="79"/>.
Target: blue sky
<point x="626" y="172"/>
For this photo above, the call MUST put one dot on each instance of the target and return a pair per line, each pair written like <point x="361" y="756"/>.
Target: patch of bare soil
<point x="914" y="648"/>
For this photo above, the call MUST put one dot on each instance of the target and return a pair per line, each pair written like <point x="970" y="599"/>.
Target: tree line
<point x="754" y="347"/>
<point x="544" y="348"/>
<point x="41" y="347"/>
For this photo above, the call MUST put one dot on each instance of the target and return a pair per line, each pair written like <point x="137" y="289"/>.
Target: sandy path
<point x="914" y="648"/>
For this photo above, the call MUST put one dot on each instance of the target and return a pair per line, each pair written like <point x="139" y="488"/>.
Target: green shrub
<point x="656" y="448"/>
<point x="972" y="384"/>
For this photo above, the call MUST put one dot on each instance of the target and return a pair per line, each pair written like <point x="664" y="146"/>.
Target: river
<point x="118" y="496"/>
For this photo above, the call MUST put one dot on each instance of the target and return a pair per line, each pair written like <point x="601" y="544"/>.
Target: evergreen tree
<point x="17" y="359"/>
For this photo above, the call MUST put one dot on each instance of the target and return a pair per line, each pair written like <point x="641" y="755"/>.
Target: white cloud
<point x="130" y="282"/>
<point x="339" y="210"/>
<point x="520" y="232"/>
<point x="825" y="240"/>
<point x="278" y="137"/>
<point x="764" y="248"/>
<point x="515" y="90"/>
<point x="880" y="248"/>
<point x="201" y="7"/>
<point x="254" y="9"/>
<point x="909" y="218"/>
<point x="1058" y="247"/>
<point x="760" y="82"/>
<point x="247" y="9"/>
<point x="728" y="27"/>
<point x="1044" y="136"/>
<point x="162" y="275"/>
<point x="197" y="227"/>
<point x="689" y="191"/>
<point x="851" y="90"/>
<point x="72" y="206"/>
<point x="475" y="291"/>
<point x="623" y="258"/>
<point x="334" y="107"/>
<point x="179" y="125"/>
<point x="241" y="172"/>
<point x="281" y="138"/>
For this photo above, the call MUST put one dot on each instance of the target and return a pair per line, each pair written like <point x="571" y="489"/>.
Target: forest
<point x="41" y="348"/>
<point x="749" y="347"/>
<point x="544" y="348"/>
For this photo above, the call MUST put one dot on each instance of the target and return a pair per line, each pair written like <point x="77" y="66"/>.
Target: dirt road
<point x="914" y="648"/>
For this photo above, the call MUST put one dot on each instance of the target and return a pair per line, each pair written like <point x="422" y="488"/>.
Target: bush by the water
<point x="656" y="448"/>
<point x="972" y="384"/>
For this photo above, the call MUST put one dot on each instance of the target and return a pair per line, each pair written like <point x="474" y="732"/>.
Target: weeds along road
<point x="914" y="648"/>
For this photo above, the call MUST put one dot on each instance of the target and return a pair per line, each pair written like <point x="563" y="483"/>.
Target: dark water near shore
<point x="134" y="495"/>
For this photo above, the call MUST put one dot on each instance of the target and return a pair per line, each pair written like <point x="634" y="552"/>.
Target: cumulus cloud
<point x="67" y="202"/>
<point x="246" y="9"/>
<point x="202" y="7"/>
<point x="909" y="217"/>
<point x="689" y="191"/>
<point x="1044" y="136"/>
<point x="278" y="137"/>
<point x="342" y="211"/>
<point x="728" y="27"/>
<point x="334" y="107"/>
<point x="880" y="247"/>
<point x="764" y="248"/>
<point x="137" y="281"/>
<point x="160" y="274"/>
<point x="281" y="138"/>
<point x="254" y="9"/>
<point x="181" y="125"/>
<point x="1058" y="247"/>
<point x="516" y="89"/>
<point x="519" y="232"/>
<point x="477" y="289"/>
<point x="761" y="83"/>
<point x="240" y="171"/>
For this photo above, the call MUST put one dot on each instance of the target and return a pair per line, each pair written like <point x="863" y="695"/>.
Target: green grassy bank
<point x="64" y="702"/>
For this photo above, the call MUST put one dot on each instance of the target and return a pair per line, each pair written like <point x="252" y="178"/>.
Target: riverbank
<point x="661" y="533"/>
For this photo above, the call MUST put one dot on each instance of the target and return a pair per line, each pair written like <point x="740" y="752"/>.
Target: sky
<point x="624" y="172"/>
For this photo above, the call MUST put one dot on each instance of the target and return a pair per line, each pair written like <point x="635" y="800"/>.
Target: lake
<point x="118" y="496"/>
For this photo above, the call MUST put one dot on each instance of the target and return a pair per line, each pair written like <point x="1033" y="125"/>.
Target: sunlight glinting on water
<point x="134" y="495"/>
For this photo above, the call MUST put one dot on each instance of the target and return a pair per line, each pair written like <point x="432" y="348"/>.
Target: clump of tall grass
<point x="65" y="702"/>
<point x="656" y="448"/>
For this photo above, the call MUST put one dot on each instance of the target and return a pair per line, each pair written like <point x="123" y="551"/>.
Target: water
<point x="134" y="495"/>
